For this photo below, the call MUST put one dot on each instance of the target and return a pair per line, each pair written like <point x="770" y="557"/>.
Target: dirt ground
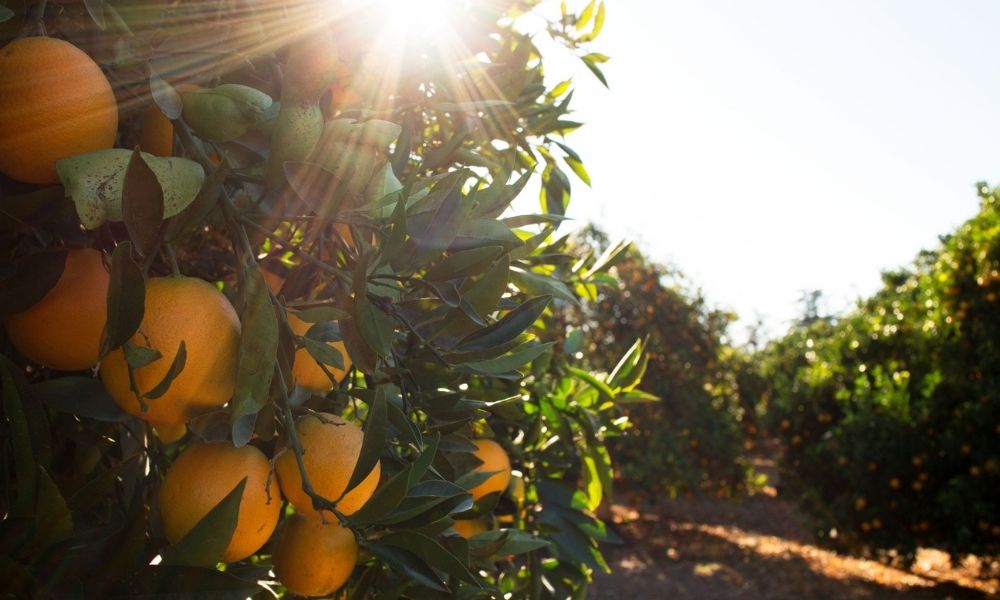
<point x="759" y="548"/>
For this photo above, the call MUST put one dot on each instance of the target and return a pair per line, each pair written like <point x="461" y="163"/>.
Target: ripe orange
<point x="312" y="558"/>
<point x="469" y="527"/>
<point x="63" y="329"/>
<point x="156" y="132"/>
<point x="494" y="459"/>
<point x="179" y="309"/>
<point x="306" y="370"/>
<point x="202" y="476"/>
<point x="331" y="447"/>
<point x="56" y="103"/>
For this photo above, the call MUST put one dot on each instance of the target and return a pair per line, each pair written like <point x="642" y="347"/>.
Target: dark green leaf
<point x="32" y="278"/>
<point x="509" y="362"/>
<point x="508" y="328"/>
<point x="206" y="542"/>
<point x="375" y="433"/>
<point x="175" y="369"/>
<point x="324" y="353"/>
<point x="516" y="541"/>
<point x="425" y="459"/>
<point x="476" y="233"/>
<point x="431" y="552"/>
<point x="139" y="356"/>
<point x="322" y="314"/>
<point x="81" y="396"/>
<point x="258" y="348"/>
<point x="464" y="263"/>
<point x="407" y="564"/>
<point x="126" y="299"/>
<point x="376" y="328"/>
<point x="53" y="520"/>
<point x="592" y="65"/>
<point x="387" y="498"/>
<point x="25" y="469"/>
<point x="6" y="14"/>
<point x="434" y="230"/>
<point x="142" y="205"/>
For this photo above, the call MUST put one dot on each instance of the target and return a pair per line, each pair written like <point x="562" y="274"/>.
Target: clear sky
<point x="770" y="147"/>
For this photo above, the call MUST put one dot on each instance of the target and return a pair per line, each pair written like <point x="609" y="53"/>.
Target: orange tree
<point x="302" y="343"/>
<point x="890" y="413"/>
<point x="692" y="441"/>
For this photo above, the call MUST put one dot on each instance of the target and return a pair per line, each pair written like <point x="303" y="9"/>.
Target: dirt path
<point x="759" y="548"/>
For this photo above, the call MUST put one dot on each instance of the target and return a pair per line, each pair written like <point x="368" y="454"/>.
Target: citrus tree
<point x="889" y="413"/>
<point x="270" y="325"/>
<point x="693" y="441"/>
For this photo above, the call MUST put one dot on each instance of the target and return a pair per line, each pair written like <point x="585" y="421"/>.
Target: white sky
<point x="770" y="147"/>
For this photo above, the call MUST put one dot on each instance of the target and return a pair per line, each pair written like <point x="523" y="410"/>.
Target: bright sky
<point x="771" y="147"/>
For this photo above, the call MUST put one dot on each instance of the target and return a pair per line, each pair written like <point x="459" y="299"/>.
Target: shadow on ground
<point x="758" y="548"/>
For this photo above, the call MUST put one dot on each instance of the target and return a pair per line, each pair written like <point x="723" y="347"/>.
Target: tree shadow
<point x="670" y="558"/>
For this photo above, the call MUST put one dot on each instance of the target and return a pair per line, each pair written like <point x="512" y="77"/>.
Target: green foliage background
<point x="890" y="415"/>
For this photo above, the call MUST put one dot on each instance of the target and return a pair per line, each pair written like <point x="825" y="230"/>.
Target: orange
<point x="496" y="461"/>
<point x="202" y="476"/>
<point x="312" y="558"/>
<point x="331" y="448"/>
<point x="179" y="309"/>
<point x="156" y="132"/>
<point x="56" y="103"/>
<point x="469" y="527"/>
<point x="63" y="329"/>
<point x="306" y="370"/>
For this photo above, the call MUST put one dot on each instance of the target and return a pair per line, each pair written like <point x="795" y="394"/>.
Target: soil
<point x="761" y="547"/>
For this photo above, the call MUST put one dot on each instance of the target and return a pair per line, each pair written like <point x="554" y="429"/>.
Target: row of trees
<point x="890" y="414"/>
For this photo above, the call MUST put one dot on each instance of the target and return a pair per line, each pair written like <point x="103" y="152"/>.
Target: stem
<point x="319" y="502"/>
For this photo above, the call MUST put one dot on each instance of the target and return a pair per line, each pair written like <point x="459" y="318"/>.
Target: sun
<point x="412" y="18"/>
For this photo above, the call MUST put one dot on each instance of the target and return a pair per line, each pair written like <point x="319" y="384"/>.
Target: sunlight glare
<point x="413" y="17"/>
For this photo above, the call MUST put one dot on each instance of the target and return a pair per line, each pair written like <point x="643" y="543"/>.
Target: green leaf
<point x="592" y="65"/>
<point x="126" y="299"/>
<point x="140" y="356"/>
<point x="434" y="230"/>
<point x="509" y="327"/>
<point x="324" y="353"/>
<point x="377" y="328"/>
<point x="407" y="564"/>
<point x="142" y="205"/>
<point x="433" y="553"/>
<point x="602" y="388"/>
<point x="322" y="314"/>
<point x="81" y="396"/>
<point x="258" y="349"/>
<point x="387" y="498"/>
<point x="534" y="284"/>
<point x="509" y="362"/>
<point x="206" y="542"/>
<point x="193" y="217"/>
<point x="175" y="369"/>
<point x="25" y="468"/>
<point x="376" y="426"/>
<point x="32" y="278"/>
<point x="515" y="542"/>
<point x="425" y="459"/>
<point x="477" y="233"/>
<point x="464" y="263"/>
<point x="577" y="167"/>
<point x="6" y="14"/>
